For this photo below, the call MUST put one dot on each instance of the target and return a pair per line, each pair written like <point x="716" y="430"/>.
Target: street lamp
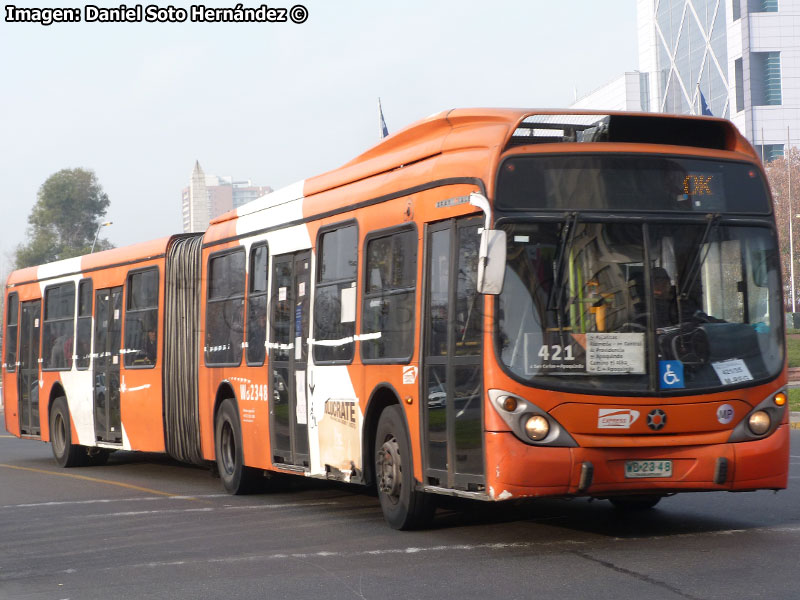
<point x="99" y="227"/>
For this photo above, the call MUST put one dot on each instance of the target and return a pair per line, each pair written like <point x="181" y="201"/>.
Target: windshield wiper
<point x="682" y="293"/>
<point x="694" y="268"/>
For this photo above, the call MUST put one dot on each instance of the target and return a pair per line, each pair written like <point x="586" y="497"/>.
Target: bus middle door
<point x="288" y="358"/>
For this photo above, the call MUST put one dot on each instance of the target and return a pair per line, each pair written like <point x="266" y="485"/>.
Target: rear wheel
<point x="236" y="478"/>
<point x="634" y="503"/>
<point x="403" y="506"/>
<point x="65" y="452"/>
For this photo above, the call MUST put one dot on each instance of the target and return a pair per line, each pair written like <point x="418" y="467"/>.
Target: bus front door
<point x="107" y="338"/>
<point x="288" y="359"/>
<point x="452" y="387"/>
<point x="28" y="382"/>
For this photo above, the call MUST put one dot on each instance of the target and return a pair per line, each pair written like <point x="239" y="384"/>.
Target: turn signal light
<point x="779" y="399"/>
<point x="509" y="403"/>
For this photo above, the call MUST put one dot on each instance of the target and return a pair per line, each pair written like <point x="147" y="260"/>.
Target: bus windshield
<point x="621" y="307"/>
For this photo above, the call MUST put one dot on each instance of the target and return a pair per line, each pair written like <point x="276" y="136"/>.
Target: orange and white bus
<point x="492" y="304"/>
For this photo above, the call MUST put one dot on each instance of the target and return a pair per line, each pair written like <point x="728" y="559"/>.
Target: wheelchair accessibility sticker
<point x="670" y="374"/>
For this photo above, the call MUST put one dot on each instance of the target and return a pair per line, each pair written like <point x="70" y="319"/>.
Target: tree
<point x="69" y="208"/>
<point x="780" y="172"/>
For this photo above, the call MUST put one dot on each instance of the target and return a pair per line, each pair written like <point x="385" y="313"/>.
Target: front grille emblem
<point x="656" y="419"/>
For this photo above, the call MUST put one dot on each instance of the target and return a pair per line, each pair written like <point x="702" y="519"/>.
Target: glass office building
<point x="737" y="59"/>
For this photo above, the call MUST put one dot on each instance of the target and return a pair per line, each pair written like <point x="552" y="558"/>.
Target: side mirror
<point x="492" y="254"/>
<point x="492" y="261"/>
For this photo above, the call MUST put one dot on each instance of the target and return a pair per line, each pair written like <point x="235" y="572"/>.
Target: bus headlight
<point x="763" y="419"/>
<point x="537" y="427"/>
<point x="759" y="422"/>
<point x="529" y="423"/>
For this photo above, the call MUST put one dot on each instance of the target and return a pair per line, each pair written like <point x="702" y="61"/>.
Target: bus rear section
<point x="85" y="348"/>
<point x="638" y="341"/>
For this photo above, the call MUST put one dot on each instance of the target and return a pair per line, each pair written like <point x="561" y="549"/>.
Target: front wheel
<point x="236" y="478"/>
<point x="65" y="452"/>
<point x="403" y="506"/>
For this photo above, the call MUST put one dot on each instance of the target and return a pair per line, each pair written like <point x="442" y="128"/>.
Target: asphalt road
<point x="147" y="527"/>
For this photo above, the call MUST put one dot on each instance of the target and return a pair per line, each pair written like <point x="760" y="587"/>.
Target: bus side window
<point x="388" y="300"/>
<point x="225" y="308"/>
<point x="58" y="328"/>
<point x="334" y="296"/>
<point x="257" y="307"/>
<point x="141" y="319"/>
<point x="12" y="319"/>
<point x="84" y="335"/>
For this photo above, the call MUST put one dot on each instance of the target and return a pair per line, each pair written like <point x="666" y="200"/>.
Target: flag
<point x="381" y="121"/>
<point x="704" y="110"/>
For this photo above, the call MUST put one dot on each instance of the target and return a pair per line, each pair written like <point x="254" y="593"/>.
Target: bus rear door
<point x="107" y="337"/>
<point x="28" y="389"/>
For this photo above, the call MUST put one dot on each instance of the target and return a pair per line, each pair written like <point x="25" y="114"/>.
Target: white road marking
<point x="110" y="500"/>
<point x="377" y="552"/>
<point x="457" y="547"/>
<point x="286" y="505"/>
<point x="136" y="513"/>
<point x="214" y="509"/>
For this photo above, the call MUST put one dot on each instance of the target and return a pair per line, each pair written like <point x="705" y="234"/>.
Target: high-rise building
<point x="209" y="196"/>
<point x="737" y="59"/>
<point x="195" y="202"/>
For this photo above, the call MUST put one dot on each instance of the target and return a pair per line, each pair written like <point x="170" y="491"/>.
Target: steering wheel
<point x="632" y="327"/>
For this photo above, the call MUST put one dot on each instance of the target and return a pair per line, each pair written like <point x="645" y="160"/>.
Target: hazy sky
<point x="139" y="102"/>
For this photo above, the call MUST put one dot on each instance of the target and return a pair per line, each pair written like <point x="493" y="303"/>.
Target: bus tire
<point x="635" y="503"/>
<point x="65" y="452"/>
<point x="403" y="506"/>
<point x="236" y="478"/>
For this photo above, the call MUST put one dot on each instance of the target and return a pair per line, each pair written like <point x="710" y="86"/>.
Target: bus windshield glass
<point x="621" y="307"/>
<point x="630" y="182"/>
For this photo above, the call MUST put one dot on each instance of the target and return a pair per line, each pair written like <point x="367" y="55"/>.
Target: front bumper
<point x="519" y="470"/>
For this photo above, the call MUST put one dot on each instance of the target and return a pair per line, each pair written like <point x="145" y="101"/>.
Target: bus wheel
<point x="236" y="478"/>
<point x="403" y="506"/>
<point x="65" y="452"/>
<point x="633" y="503"/>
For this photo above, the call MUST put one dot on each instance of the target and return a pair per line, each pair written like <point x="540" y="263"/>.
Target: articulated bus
<point x="490" y="304"/>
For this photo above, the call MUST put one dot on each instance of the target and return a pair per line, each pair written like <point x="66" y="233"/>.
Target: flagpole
<point x="383" y="131"/>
